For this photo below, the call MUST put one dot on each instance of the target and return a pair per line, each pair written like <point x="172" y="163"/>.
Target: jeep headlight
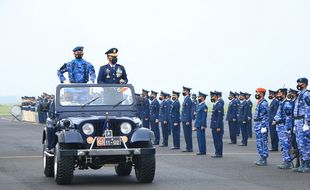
<point x="125" y="128"/>
<point x="88" y="128"/>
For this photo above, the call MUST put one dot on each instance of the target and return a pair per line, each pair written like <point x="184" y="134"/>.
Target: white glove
<point x="305" y="127"/>
<point x="66" y="82"/>
<point x="263" y="130"/>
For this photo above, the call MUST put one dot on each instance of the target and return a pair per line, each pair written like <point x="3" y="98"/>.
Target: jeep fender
<point x="69" y="137"/>
<point x="142" y="134"/>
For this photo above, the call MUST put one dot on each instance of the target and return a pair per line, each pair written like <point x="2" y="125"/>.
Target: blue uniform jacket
<point x="164" y="111"/>
<point x="169" y="108"/>
<point x="284" y="116"/>
<point x="232" y="110"/>
<point x="109" y="75"/>
<point x="145" y="110"/>
<point x="202" y="112"/>
<point x="186" y="115"/>
<point x="302" y="105"/>
<point x="154" y="110"/>
<point x="250" y="106"/>
<point x="261" y="115"/>
<point x="273" y="108"/>
<point x="175" y="112"/>
<point x="243" y="112"/>
<point x="79" y="71"/>
<point x="217" y="115"/>
<point x="194" y="108"/>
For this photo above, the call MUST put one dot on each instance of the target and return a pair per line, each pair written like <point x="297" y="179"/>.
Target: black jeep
<point x="96" y="125"/>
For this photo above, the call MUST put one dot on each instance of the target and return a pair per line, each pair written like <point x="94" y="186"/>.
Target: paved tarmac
<point x="21" y="167"/>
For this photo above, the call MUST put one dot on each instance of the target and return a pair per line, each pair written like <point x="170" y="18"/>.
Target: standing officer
<point x="154" y="116"/>
<point x="261" y="124"/>
<point x="250" y="106"/>
<point x="283" y="123"/>
<point x="242" y="118"/>
<point x="194" y="108"/>
<point x="175" y="120"/>
<point x="112" y="73"/>
<point x="217" y="124"/>
<point x="273" y="110"/>
<point x="170" y="124"/>
<point x="231" y="117"/>
<point x="301" y="124"/>
<point x="79" y="70"/>
<point x="186" y="119"/>
<point x="164" y="117"/>
<point x="201" y="123"/>
<point x="139" y="106"/>
<point x="238" y="102"/>
<point x="145" y="111"/>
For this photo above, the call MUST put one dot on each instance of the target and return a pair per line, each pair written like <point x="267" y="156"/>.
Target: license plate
<point x="108" y="141"/>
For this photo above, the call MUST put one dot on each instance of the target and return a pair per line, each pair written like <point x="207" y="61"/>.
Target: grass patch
<point x="5" y="109"/>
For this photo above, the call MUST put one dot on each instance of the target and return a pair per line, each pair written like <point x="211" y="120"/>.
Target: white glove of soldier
<point x="305" y="127"/>
<point x="66" y="82"/>
<point x="263" y="130"/>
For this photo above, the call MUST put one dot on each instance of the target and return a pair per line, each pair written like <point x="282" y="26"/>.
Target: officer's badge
<point x="119" y="72"/>
<point x="107" y="71"/>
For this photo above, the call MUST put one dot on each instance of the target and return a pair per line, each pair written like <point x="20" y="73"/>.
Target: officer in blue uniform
<point x="174" y="118"/>
<point x="112" y="73"/>
<point x="139" y="106"/>
<point x="273" y="110"/>
<point x="238" y="102"/>
<point x="164" y="117"/>
<point x="79" y="70"/>
<point x="231" y="117"/>
<point x="217" y="123"/>
<point x="170" y="124"/>
<point x="145" y="111"/>
<point x="283" y="122"/>
<point x="186" y="119"/>
<point x="250" y="106"/>
<point x="154" y="116"/>
<point x="194" y="108"/>
<point x="301" y="124"/>
<point x="261" y="124"/>
<point x="201" y="123"/>
<point x="242" y="118"/>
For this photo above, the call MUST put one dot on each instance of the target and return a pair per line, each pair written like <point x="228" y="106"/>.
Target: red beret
<point x="261" y="90"/>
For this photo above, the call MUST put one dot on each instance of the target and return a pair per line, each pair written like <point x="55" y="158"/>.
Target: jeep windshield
<point x="95" y="96"/>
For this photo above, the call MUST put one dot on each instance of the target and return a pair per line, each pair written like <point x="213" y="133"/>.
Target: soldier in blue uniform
<point x="201" y="123"/>
<point x="231" y="117"/>
<point x="186" y="119"/>
<point x="242" y="118"/>
<point x="283" y="122"/>
<point x="194" y="108"/>
<point x="79" y="70"/>
<point x="174" y="118"/>
<point x="301" y="124"/>
<point x="164" y="117"/>
<point x="217" y="123"/>
<point x="261" y="124"/>
<point x="250" y="106"/>
<point x="238" y="102"/>
<point x="154" y="116"/>
<point x="112" y="73"/>
<point x="170" y="124"/>
<point x="145" y="111"/>
<point x="273" y="110"/>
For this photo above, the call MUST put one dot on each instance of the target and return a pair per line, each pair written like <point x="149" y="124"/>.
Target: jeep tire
<point x="145" y="168"/>
<point x="48" y="163"/>
<point x="63" y="167"/>
<point x="123" y="169"/>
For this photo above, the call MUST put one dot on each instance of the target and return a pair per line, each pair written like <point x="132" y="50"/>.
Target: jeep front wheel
<point x="145" y="168"/>
<point x="48" y="163"/>
<point x="123" y="169"/>
<point x="63" y="167"/>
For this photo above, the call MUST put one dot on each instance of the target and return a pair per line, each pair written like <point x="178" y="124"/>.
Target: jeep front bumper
<point x="107" y="152"/>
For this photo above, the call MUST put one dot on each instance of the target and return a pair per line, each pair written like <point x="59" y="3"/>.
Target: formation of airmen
<point x="287" y="118"/>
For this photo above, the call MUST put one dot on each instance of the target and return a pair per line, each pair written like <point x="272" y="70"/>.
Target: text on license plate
<point x="108" y="141"/>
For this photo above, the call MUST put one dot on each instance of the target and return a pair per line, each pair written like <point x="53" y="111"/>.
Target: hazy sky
<point x="164" y="44"/>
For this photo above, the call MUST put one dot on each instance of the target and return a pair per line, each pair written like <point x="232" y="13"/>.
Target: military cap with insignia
<point x="176" y="93"/>
<point x="232" y="93"/>
<point x="271" y="91"/>
<point x="241" y="93"/>
<point x="212" y="93"/>
<point x="78" y="48"/>
<point x="168" y="95"/>
<point x="194" y="95"/>
<point x="282" y="90"/>
<point x="293" y="91"/>
<point x="202" y="94"/>
<point x="154" y="92"/>
<point x="163" y="94"/>
<point x="302" y="80"/>
<point x="146" y="91"/>
<point x="187" y="89"/>
<point x="247" y="94"/>
<point x="218" y="93"/>
<point x="237" y="94"/>
<point x="112" y="52"/>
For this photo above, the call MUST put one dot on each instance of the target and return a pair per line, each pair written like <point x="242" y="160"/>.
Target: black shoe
<point x="155" y="143"/>
<point x="163" y="145"/>
<point x="174" y="148"/>
<point x="242" y="144"/>
<point x="187" y="150"/>
<point x="50" y="151"/>
<point x="216" y="156"/>
<point x="232" y="143"/>
<point x="273" y="150"/>
<point x="200" y="153"/>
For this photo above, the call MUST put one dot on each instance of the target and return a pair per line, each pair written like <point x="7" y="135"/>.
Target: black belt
<point x="280" y="122"/>
<point x="300" y="117"/>
<point x="258" y="120"/>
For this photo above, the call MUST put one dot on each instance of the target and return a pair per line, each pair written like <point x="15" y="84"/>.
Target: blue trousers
<point x="155" y="129"/>
<point x="244" y="132"/>
<point x="170" y="126"/>
<point x="187" y="130"/>
<point x="303" y="140"/>
<point x="238" y="128"/>
<point x="285" y="139"/>
<point x="262" y="143"/>
<point x="201" y="138"/>
<point x="233" y="126"/>
<point x="249" y="123"/>
<point x="218" y="141"/>
<point x="165" y="130"/>
<point x="146" y="123"/>
<point x="274" y="137"/>
<point x="176" y="136"/>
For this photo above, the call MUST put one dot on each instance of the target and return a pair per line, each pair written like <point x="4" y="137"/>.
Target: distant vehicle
<point x="96" y="125"/>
